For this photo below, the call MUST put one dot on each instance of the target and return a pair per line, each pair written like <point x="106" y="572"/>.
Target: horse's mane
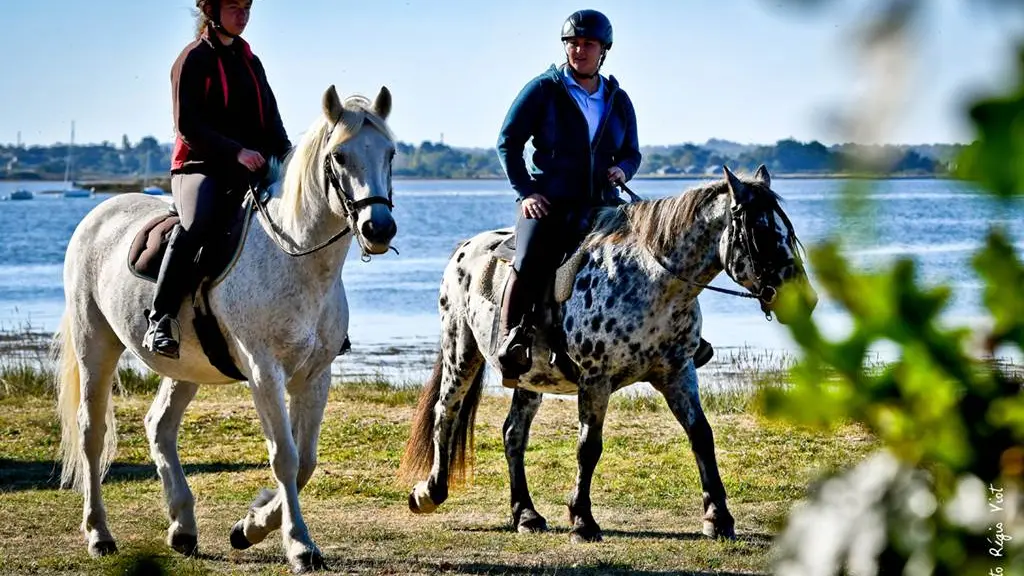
<point x="657" y="224"/>
<point x="303" y="181"/>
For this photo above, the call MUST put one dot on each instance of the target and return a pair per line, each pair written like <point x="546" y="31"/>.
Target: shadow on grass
<point x="753" y="538"/>
<point x="18" y="475"/>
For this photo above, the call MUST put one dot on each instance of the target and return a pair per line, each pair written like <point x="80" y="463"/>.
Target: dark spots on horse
<point x="460" y="256"/>
<point x="593" y="371"/>
<point x="583" y="283"/>
<point x="443" y="301"/>
<point x="569" y="323"/>
<point x="595" y="322"/>
<point x="586" y="364"/>
<point x="586" y="347"/>
<point x="578" y="337"/>
<point x="599" y="348"/>
<point x="634" y="348"/>
<point x="610" y="301"/>
<point x="494" y="245"/>
<point x="588" y="300"/>
<point x="610" y="324"/>
<point x="456" y="407"/>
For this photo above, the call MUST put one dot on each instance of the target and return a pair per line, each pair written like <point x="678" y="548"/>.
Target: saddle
<point x="565" y="276"/>
<point x="558" y="291"/>
<point x="215" y="259"/>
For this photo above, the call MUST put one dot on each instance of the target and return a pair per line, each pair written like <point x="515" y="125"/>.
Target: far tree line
<point x="107" y="161"/>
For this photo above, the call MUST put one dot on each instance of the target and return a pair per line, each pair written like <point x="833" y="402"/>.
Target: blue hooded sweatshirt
<point x="571" y="171"/>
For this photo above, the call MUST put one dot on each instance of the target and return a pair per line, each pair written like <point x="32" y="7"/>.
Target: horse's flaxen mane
<point x="657" y="224"/>
<point x="307" y="175"/>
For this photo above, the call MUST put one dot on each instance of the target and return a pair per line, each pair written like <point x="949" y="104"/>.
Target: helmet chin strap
<point x="216" y="26"/>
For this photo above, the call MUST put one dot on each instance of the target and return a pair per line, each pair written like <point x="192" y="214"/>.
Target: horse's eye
<point x="339" y="157"/>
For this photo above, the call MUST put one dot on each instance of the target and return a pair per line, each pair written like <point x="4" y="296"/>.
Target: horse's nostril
<point x="375" y="232"/>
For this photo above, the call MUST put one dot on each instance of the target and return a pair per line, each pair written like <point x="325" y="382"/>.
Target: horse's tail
<point x="419" y="451"/>
<point x="69" y="397"/>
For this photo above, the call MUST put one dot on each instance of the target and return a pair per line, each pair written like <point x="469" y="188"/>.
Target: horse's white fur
<point x="284" y="319"/>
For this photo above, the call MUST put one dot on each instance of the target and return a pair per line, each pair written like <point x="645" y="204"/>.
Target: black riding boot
<point x="514" y="353"/>
<point x="164" y="333"/>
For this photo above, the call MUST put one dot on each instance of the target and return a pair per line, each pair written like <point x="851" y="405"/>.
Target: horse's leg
<point x="683" y="399"/>
<point x="592" y="406"/>
<point x="306" y="411"/>
<point x="459" y="375"/>
<point x="517" y="435"/>
<point x="96" y="350"/>
<point x="268" y="396"/>
<point x="162" y="423"/>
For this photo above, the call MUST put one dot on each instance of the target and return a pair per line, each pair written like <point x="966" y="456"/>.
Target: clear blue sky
<point x="745" y="70"/>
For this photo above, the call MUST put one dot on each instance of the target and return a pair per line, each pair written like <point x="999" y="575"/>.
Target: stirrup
<point x="703" y="354"/>
<point x="515" y="356"/>
<point x="163" y="336"/>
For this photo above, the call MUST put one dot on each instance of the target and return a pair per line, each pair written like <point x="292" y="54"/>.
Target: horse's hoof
<point x="185" y="544"/>
<point x="420" y="501"/>
<point x="104" y="548"/>
<point x="238" y="539"/>
<point x="531" y="522"/>
<point x="584" y="535"/>
<point x="308" y="562"/>
<point x="723" y="532"/>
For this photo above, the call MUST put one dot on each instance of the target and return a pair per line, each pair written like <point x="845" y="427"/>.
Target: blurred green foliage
<point x="946" y="405"/>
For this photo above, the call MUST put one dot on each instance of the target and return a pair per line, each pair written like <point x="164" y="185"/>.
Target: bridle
<point x="741" y="221"/>
<point x="350" y="207"/>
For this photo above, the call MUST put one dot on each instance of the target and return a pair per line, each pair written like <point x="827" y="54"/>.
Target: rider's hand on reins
<point x="616" y="175"/>
<point x="251" y="159"/>
<point x="535" y="206"/>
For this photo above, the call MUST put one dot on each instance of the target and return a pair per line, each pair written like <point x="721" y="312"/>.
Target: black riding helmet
<point x="588" y="24"/>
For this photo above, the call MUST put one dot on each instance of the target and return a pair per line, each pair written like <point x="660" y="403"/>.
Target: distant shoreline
<point x="135" y="185"/>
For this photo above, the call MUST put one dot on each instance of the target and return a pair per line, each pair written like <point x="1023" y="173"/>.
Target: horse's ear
<point x="739" y="191"/>
<point x="382" y="103"/>
<point x="763" y="176"/>
<point x="332" y="105"/>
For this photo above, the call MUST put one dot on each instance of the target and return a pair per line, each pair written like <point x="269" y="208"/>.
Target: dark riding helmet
<point x="588" y="24"/>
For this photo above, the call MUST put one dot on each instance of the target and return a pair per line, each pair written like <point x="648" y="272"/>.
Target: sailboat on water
<point x="151" y="190"/>
<point x="69" y="190"/>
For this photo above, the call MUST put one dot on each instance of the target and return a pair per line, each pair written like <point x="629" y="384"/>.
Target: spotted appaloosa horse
<point x="633" y="316"/>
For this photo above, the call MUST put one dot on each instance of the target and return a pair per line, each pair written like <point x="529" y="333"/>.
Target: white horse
<point x="284" y="319"/>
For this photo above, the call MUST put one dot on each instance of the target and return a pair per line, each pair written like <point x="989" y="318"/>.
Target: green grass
<point x="646" y="490"/>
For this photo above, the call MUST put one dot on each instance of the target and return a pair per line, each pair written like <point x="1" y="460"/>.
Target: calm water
<point x="393" y="298"/>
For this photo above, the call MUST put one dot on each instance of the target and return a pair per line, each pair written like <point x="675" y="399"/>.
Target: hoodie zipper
<point x="600" y="130"/>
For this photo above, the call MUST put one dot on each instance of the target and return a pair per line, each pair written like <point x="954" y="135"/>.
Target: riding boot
<point x="164" y="333"/>
<point x="703" y="354"/>
<point x="514" y="354"/>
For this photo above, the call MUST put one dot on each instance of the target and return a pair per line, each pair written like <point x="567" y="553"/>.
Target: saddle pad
<point x="565" y="276"/>
<point x="147" y="251"/>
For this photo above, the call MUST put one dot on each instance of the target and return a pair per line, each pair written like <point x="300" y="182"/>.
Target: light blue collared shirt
<point x="592" y="105"/>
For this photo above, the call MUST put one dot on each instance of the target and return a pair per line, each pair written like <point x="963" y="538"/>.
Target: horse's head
<point x="760" y="250"/>
<point x="357" y="166"/>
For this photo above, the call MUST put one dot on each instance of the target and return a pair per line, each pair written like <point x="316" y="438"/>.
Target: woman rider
<point x="227" y="125"/>
<point x="584" y="134"/>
